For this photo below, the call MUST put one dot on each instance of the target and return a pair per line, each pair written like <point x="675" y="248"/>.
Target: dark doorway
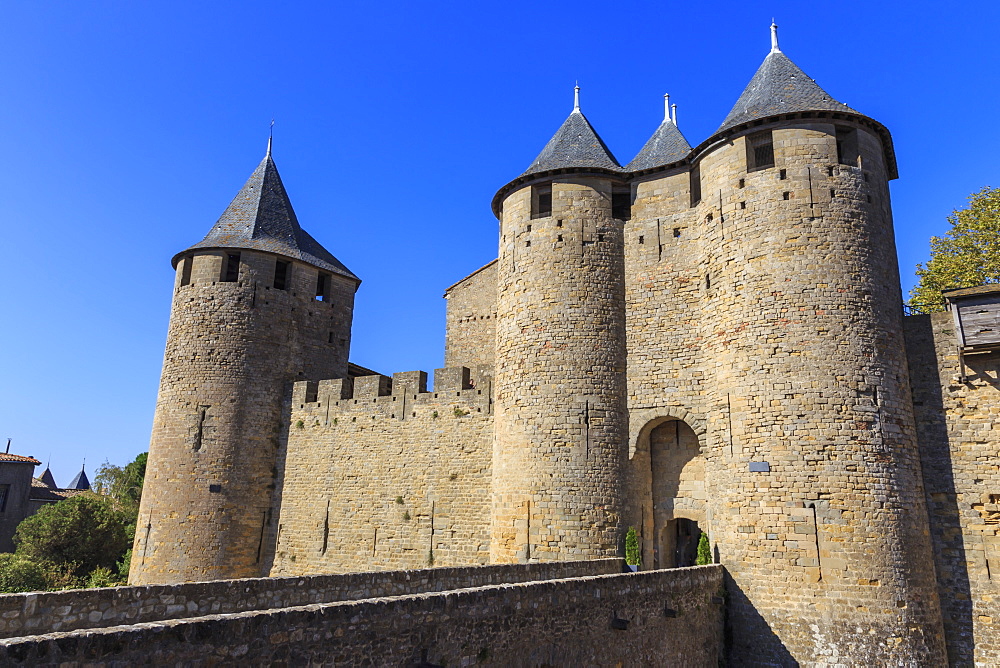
<point x="679" y="543"/>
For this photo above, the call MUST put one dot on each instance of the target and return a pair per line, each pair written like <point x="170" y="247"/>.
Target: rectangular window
<point x="322" y="287"/>
<point x="186" y="271"/>
<point x="231" y="268"/>
<point x="4" y="493"/>
<point x="847" y="145"/>
<point x="621" y="203"/>
<point x="541" y="201"/>
<point x="760" y="151"/>
<point x="281" y="274"/>
<point x="695" y="185"/>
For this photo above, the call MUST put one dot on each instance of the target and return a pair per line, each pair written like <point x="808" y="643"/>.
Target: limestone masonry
<point x="708" y="339"/>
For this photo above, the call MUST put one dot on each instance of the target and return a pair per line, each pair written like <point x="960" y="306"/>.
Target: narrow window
<point x="833" y="193"/>
<point x="829" y="171"/>
<point x="541" y="201"/>
<point x="558" y="223"/>
<point x="186" y="271"/>
<point x="4" y="493"/>
<point x="529" y="228"/>
<point x="760" y="151"/>
<point x="783" y="174"/>
<point x="330" y="338"/>
<point x="559" y="238"/>
<point x="708" y="282"/>
<point x="743" y="183"/>
<point x="743" y="205"/>
<point x="677" y="232"/>
<point x="786" y="195"/>
<point x="527" y="244"/>
<point x="281" y="274"/>
<point x="600" y="237"/>
<point x="847" y="145"/>
<point x="621" y="203"/>
<point x="322" y="287"/>
<point x="231" y="268"/>
<point x="695" y="185"/>
<point x="640" y="239"/>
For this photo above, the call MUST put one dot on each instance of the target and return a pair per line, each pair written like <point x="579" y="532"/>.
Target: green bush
<point x="704" y="551"/>
<point x="632" y="555"/>
<point x="124" y="565"/>
<point x="19" y="573"/>
<point x="102" y="577"/>
<point x="77" y="535"/>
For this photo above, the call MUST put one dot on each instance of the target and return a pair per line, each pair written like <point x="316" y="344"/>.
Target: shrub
<point x="102" y="577"/>
<point x="79" y="534"/>
<point x="704" y="551"/>
<point x="18" y="573"/>
<point x="632" y="555"/>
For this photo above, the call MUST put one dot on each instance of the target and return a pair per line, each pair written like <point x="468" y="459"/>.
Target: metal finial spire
<point x="674" y="107"/>
<point x="774" y="37"/>
<point x="270" y="136"/>
<point x="666" y="107"/>
<point x="576" y="97"/>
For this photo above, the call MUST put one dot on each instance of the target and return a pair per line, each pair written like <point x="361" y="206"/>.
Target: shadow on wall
<point x="766" y="648"/>
<point x="939" y="486"/>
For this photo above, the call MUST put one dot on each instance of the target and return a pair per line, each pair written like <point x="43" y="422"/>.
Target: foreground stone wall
<point x="670" y="617"/>
<point x="46" y="612"/>
<point x="385" y="475"/>
<point x="958" y="427"/>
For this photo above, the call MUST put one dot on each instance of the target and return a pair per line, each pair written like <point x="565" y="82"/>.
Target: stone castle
<point x="704" y="339"/>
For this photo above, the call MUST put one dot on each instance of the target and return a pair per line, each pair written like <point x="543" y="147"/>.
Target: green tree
<point x="632" y="554"/>
<point x="122" y="484"/>
<point x="79" y="534"/>
<point x="704" y="551"/>
<point x="18" y="573"/>
<point x="966" y="256"/>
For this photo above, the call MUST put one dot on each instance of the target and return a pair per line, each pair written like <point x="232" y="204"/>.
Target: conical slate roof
<point x="80" y="481"/>
<point x="575" y="144"/>
<point x="779" y="87"/>
<point x="261" y="217"/>
<point x="46" y="478"/>
<point x="667" y="145"/>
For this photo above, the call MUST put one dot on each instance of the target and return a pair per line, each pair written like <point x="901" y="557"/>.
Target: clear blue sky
<point x="129" y="126"/>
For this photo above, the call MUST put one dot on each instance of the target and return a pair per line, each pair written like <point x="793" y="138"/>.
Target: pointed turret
<point x="47" y="479"/>
<point x="779" y="87"/>
<point x="261" y="217"/>
<point x="80" y="481"/>
<point x="575" y="144"/>
<point x="667" y="144"/>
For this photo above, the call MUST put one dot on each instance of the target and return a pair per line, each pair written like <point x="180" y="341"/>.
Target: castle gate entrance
<point x="671" y="473"/>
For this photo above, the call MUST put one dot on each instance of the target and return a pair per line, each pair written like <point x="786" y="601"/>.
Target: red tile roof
<point x="8" y="457"/>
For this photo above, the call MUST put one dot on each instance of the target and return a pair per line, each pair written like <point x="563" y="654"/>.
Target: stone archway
<point x="669" y="466"/>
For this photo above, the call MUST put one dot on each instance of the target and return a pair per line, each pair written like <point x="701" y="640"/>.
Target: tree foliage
<point x="704" y="551"/>
<point x="82" y="533"/>
<point x="18" y="573"/>
<point x="122" y="484"/>
<point x="966" y="256"/>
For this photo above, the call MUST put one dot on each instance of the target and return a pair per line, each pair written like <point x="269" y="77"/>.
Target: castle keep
<point x="704" y="339"/>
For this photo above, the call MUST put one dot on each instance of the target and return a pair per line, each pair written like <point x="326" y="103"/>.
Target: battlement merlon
<point x="473" y="386"/>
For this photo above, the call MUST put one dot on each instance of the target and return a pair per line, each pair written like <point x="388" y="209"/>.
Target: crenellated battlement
<point x="402" y="396"/>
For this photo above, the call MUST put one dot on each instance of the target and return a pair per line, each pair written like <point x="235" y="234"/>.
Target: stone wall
<point x="958" y="426"/>
<point x="470" y="324"/>
<point x="385" y="475"/>
<point x="46" y="612"/>
<point x="654" y="618"/>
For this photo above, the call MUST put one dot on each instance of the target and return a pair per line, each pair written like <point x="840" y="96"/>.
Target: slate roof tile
<point x="667" y="145"/>
<point x="261" y="217"/>
<point x="575" y="144"/>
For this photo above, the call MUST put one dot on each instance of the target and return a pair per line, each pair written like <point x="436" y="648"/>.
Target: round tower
<point x="818" y="506"/>
<point x="561" y="424"/>
<point x="257" y="304"/>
